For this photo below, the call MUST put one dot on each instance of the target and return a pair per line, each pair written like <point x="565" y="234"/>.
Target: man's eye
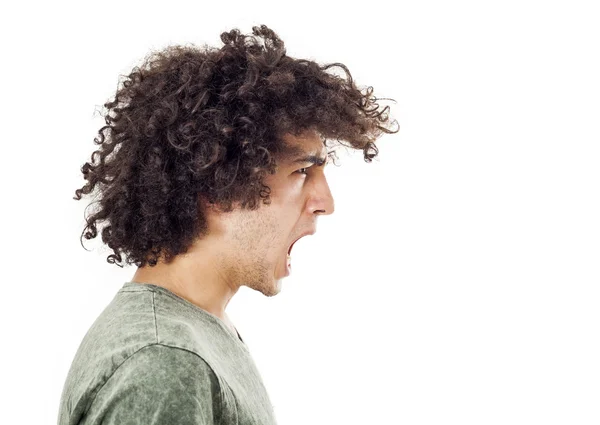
<point x="300" y="170"/>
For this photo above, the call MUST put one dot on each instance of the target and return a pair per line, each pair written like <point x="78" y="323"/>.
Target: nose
<point x="323" y="203"/>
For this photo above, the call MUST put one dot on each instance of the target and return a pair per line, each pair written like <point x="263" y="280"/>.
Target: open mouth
<point x="300" y="237"/>
<point x="290" y="249"/>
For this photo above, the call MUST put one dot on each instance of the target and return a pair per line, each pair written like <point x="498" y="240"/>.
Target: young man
<point x="211" y="168"/>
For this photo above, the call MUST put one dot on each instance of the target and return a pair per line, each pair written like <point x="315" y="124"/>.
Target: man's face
<point x="259" y="240"/>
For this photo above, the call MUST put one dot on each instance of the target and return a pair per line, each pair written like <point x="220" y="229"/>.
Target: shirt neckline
<point x="163" y="290"/>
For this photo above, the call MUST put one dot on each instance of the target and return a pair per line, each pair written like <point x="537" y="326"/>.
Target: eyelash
<point x="305" y="168"/>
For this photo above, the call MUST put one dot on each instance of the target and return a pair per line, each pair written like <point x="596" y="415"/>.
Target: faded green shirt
<point x="154" y="358"/>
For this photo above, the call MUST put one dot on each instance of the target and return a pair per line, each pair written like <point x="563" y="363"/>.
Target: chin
<point x="274" y="288"/>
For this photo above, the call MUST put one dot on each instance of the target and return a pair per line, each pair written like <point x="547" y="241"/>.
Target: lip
<point x="312" y="232"/>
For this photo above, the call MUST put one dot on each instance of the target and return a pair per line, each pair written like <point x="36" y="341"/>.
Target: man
<point x="251" y="247"/>
<point x="212" y="168"/>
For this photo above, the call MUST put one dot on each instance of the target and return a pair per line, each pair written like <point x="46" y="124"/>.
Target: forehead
<point x="306" y="147"/>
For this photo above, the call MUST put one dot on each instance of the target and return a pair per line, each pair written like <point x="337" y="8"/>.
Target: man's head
<point x="252" y="245"/>
<point x="199" y="145"/>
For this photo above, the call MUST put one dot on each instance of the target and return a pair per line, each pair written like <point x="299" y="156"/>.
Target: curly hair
<point x="205" y="122"/>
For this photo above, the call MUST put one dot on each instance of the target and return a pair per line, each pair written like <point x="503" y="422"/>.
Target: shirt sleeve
<point x="158" y="385"/>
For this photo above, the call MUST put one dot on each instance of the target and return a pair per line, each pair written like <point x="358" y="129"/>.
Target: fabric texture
<point x="154" y="358"/>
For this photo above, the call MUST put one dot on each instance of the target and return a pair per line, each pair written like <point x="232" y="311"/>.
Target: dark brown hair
<point x="192" y="122"/>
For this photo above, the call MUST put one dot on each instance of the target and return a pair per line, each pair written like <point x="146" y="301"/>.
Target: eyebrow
<point x="313" y="159"/>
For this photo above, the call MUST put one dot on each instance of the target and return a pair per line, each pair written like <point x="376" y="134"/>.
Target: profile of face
<point x="256" y="243"/>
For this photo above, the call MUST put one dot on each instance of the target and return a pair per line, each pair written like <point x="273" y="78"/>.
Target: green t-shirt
<point x="154" y="358"/>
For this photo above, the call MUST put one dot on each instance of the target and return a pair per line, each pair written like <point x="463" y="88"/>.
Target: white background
<point x="457" y="280"/>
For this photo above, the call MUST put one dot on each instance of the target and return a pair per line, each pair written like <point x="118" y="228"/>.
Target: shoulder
<point x="156" y="363"/>
<point x="160" y="381"/>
